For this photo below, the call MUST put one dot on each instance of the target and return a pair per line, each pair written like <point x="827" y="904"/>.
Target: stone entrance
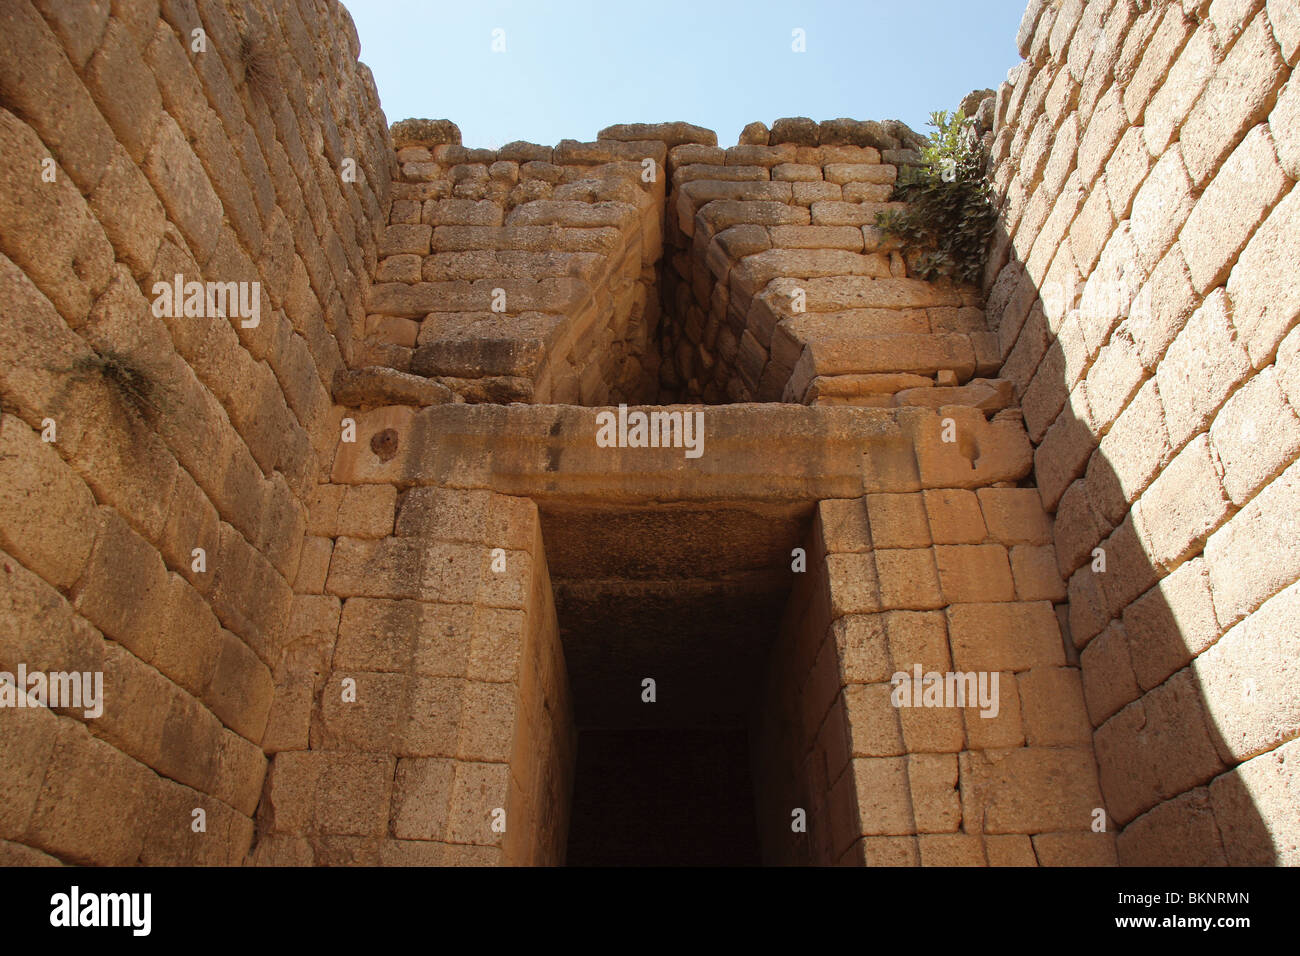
<point x="771" y="588"/>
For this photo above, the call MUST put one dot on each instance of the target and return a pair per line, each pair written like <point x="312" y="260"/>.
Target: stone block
<point x="1253" y="808"/>
<point x="969" y="573"/>
<point x="1157" y="55"/>
<point x="1285" y="20"/>
<point x="873" y="722"/>
<point x="844" y="526"/>
<point x="421" y="798"/>
<point x="1182" y="506"/>
<point x="1179" y="832"/>
<point x="1137" y="444"/>
<point x="1254" y="436"/>
<point x="1265" y="306"/>
<point x="884" y="798"/>
<point x="183" y="186"/>
<point x="1171" y="624"/>
<point x="478" y="790"/>
<point x="1052" y="708"/>
<point x="1075" y="848"/>
<point x="46" y="510"/>
<point x="1248" y="558"/>
<point x="1036" y="574"/>
<point x="853" y="583"/>
<point x="1015" y="515"/>
<point x="1107" y="672"/>
<point x="1004" y="636"/>
<point x="1231" y="208"/>
<point x="954" y="516"/>
<point x="898" y="521"/>
<point x="1239" y="95"/>
<point x="1155" y="748"/>
<point x="1181" y="87"/>
<point x="1029" y="789"/>
<point x="862" y="648"/>
<point x="1009" y="849"/>
<point x="1249" y="680"/>
<point x="93" y="803"/>
<point x="907" y="579"/>
<point x="1203" y="365"/>
<point x="951" y="849"/>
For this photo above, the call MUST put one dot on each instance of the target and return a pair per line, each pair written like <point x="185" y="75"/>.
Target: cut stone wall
<point x="947" y="580"/>
<point x="135" y="152"/>
<point x="779" y="286"/>
<point x="1143" y="288"/>
<point x="423" y="690"/>
<point x="918" y="556"/>
<point x="522" y="274"/>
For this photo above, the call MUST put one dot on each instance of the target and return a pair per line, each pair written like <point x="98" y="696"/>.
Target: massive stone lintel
<point x="750" y="452"/>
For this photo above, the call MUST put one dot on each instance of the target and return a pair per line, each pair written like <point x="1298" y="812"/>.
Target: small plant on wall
<point x="950" y="215"/>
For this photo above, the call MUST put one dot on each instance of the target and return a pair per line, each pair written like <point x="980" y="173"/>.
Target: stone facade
<point x="1145" y="157"/>
<point x="366" y="586"/>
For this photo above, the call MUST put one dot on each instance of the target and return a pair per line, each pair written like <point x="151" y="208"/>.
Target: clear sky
<point x="571" y="67"/>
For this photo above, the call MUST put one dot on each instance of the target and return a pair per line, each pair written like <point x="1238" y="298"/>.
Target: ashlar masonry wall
<point x="521" y="274"/>
<point x="1143" y="288"/>
<point x="155" y="471"/>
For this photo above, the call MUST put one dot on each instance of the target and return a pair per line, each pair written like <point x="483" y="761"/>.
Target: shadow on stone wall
<point x="1143" y="632"/>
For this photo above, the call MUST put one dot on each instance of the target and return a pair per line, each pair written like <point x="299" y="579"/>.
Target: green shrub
<point x="950" y="215"/>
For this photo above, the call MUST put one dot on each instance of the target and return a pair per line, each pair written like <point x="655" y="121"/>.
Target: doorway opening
<point x="668" y="615"/>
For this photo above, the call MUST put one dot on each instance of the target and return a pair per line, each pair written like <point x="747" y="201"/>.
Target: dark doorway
<point x="691" y="598"/>
<point x="662" y="797"/>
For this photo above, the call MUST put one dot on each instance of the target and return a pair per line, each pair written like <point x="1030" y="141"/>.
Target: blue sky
<point x="570" y="67"/>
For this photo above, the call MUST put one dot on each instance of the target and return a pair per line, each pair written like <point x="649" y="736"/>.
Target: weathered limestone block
<point x="1232" y="206"/>
<point x="723" y="213"/>
<point x="831" y="213"/>
<point x="1251" y="805"/>
<point x="1180" y="832"/>
<point x="760" y="155"/>
<point x="571" y="152"/>
<point x="1156" y="748"/>
<point x="1204" y="363"/>
<point x="817" y="237"/>
<point x="524" y="153"/>
<point x="988" y="395"/>
<point x="706" y="171"/>
<point x="807" y="193"/>
<point x="754" y="272"/>
<point x="1004" y="636"/>
<point x="1238" y="96"/>
<point x="406" y="239"/>
<point x="671" y="134"/>
<point x="798" y="129"/>
<point x="754" y="134"/>
<point x="1263" y="308"/>
<point x="424" y="132"/>
<point x="57" y="227"/>
<point x="974" y="572"/>
<point x="908" y="579"/>
<point x="319" y="792"/>
<point x="1255" y="664"/>
<point x="385" y="386"/>
<point x="45" y="508"/>
<point x="461" y="212"/>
